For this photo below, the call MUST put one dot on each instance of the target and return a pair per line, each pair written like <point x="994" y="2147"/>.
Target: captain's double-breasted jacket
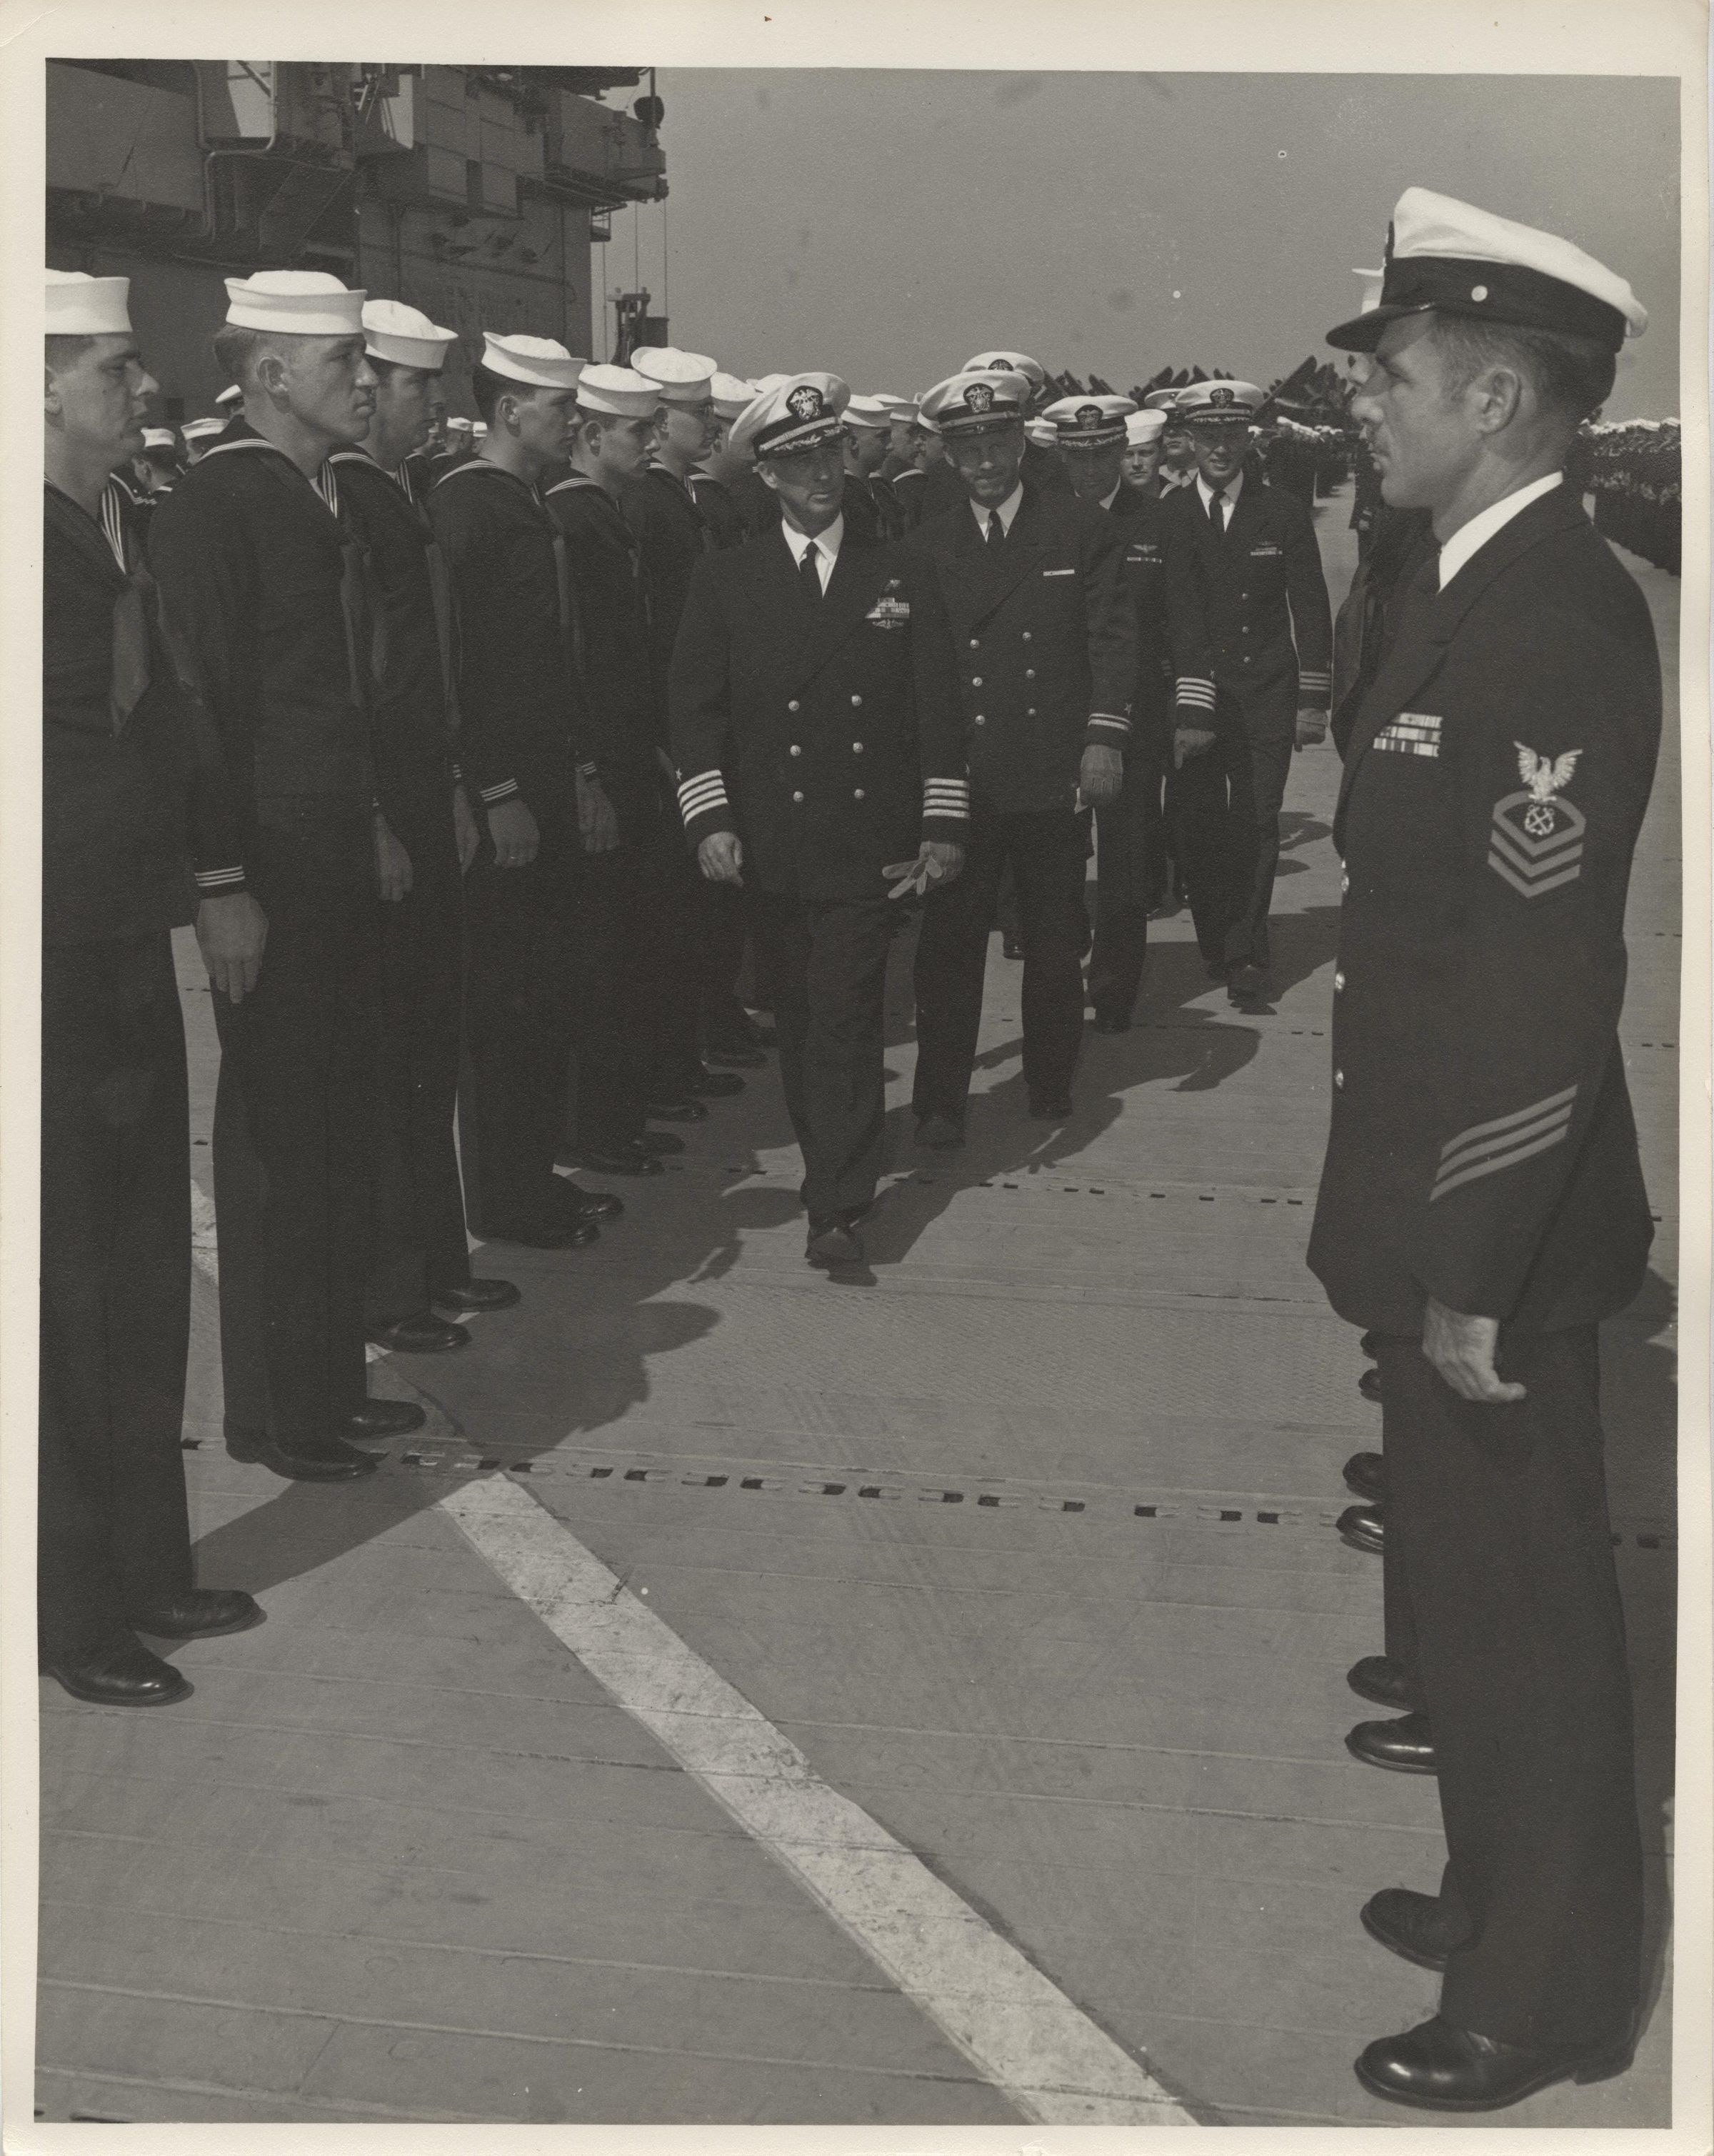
<point x="1045" y="627"/>
<point x="1252" y="631"/>
<point x="1482" y="1150"/>
<point x="825" y="732"/>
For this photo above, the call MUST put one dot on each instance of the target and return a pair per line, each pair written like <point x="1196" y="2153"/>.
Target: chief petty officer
<point x="263" y="593"/>
<point x="1044" y="626"/>
<point x="124" y="805"/>
<point x="527" y="751"/>
<point x="1252" y="642"/>
<point x="1093" y="435"/>
<point x="1481" y="1205"/>
<point x="425" y="837"/>
<point x="814" y="672"/>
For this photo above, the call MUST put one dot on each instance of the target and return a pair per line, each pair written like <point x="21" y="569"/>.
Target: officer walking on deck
<point x="1045" y="627"/>
<point x="1481" y="1206"/>
<point x="815" y="729"/>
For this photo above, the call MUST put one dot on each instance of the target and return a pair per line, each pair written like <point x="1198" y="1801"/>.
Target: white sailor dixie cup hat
<point x="618" y="392"/>
<point x="293" y="303"/>
<point x="731" y="394"/>
<point x="1447" y="255"/>
<point x="805" y="411"/>
<point x="682" y="377"/>
<point x="395" y="332"/>
<point x="976" y="401"/>
<point x="1015" y="362"/>
<point x="202" y="430"/>
<point x="158" y="438"/>
<point x="1218" y="403"/>
<point x="81" y="306"/>
<point x="1090" y="423"/>
<point x="538" y="362"/>
<point x="1043" y="432"/>
<point x="230" y="396"/>
<point x="1143" y="428"/>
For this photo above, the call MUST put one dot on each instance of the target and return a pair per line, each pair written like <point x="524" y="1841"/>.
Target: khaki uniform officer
<point x="1045" y="631"/>
<point x="815" y="728"/>
<point x="1481" y="1206"/>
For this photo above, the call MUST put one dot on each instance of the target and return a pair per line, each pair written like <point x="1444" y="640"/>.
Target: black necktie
<point x="1217" y="503"/>
<point x="996" y="530"/>
<point x="809" y="574"/>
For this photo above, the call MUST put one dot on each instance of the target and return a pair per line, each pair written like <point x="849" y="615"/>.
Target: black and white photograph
<point x="846" y="1085"/>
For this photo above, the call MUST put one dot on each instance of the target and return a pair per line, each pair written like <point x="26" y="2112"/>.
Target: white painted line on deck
<point x="1021" y="2033"/>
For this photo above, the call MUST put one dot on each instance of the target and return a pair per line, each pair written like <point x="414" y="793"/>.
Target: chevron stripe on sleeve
<point x="1486" y="1148"/>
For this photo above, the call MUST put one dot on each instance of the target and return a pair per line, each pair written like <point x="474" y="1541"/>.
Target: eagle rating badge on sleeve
<point x="1536" y="841"/>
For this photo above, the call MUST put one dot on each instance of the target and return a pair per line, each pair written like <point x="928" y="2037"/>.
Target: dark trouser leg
<point x="519" y="1026"/>
<point x="418" y="1242"/>
<point x="1196" y="814"/>
<point x="617" y="962"/>
<point x="721" y="907"/>
<point x="780" y="927"/>
<point x="294" y="1135"/>
<point x="678" y="1047"/>
<point x="843" y="1084"/>
<point x="1500" y="1517"/>
<point x="1130" y="875"/>
<point x="1258" y="761"/>
<point x="1048" y="854"/>
<point x="952" y="957"/>
<point x="115" y="1291"/>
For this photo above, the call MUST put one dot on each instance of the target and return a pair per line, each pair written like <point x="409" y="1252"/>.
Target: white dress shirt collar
<point x="1234" y="488"/>
<point x="1108" y="500"/>
<point x="828" y="542"/>
<point x="1469" y="538"/>
<point x="1007" y="509"/>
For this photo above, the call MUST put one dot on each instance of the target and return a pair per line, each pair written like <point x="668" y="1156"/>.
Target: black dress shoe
<point x="1370" y="1344"/>
<point x="833" y="1245"/>
<point x="1110" y="1022"/>
<point x="423" y="1333"/>
<point x="1366" y="1475"/>
<point x="1436" y="2068"/>
<point x="201" y="1613"/>
<point x="1376" y="1678"/>
<point x="1411" y="1925"/>
<point x="329" y="1461"/>
<point x="477" y="1295"/>
<point x="1049" y="1108"/>
<point x="1404" y="1747"/>
<point x="563" y="1232"/>
<point x="1011" y="946"/>
<point x="714" y="1085"/>
<point x="381" y="1418"/>
<point x="1362" y="1527"/>
<point x="740" y="1055"/>
<point x="944" y="1133"/>
<point x="123" y="1674"/>
<point x="668" y="1109"/>
<point x="659" y="1142"/>
<point x="584" y="1205"/>
<point x="1369" y="1385"/>
<point x="624" y="1157"/>
<point x="1247" y="984"/>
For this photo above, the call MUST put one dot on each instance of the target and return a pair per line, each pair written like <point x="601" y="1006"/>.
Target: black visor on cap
<point x="1500" y="292"/>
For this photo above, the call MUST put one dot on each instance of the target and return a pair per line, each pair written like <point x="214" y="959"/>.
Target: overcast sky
<point x="887" y="225"/>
